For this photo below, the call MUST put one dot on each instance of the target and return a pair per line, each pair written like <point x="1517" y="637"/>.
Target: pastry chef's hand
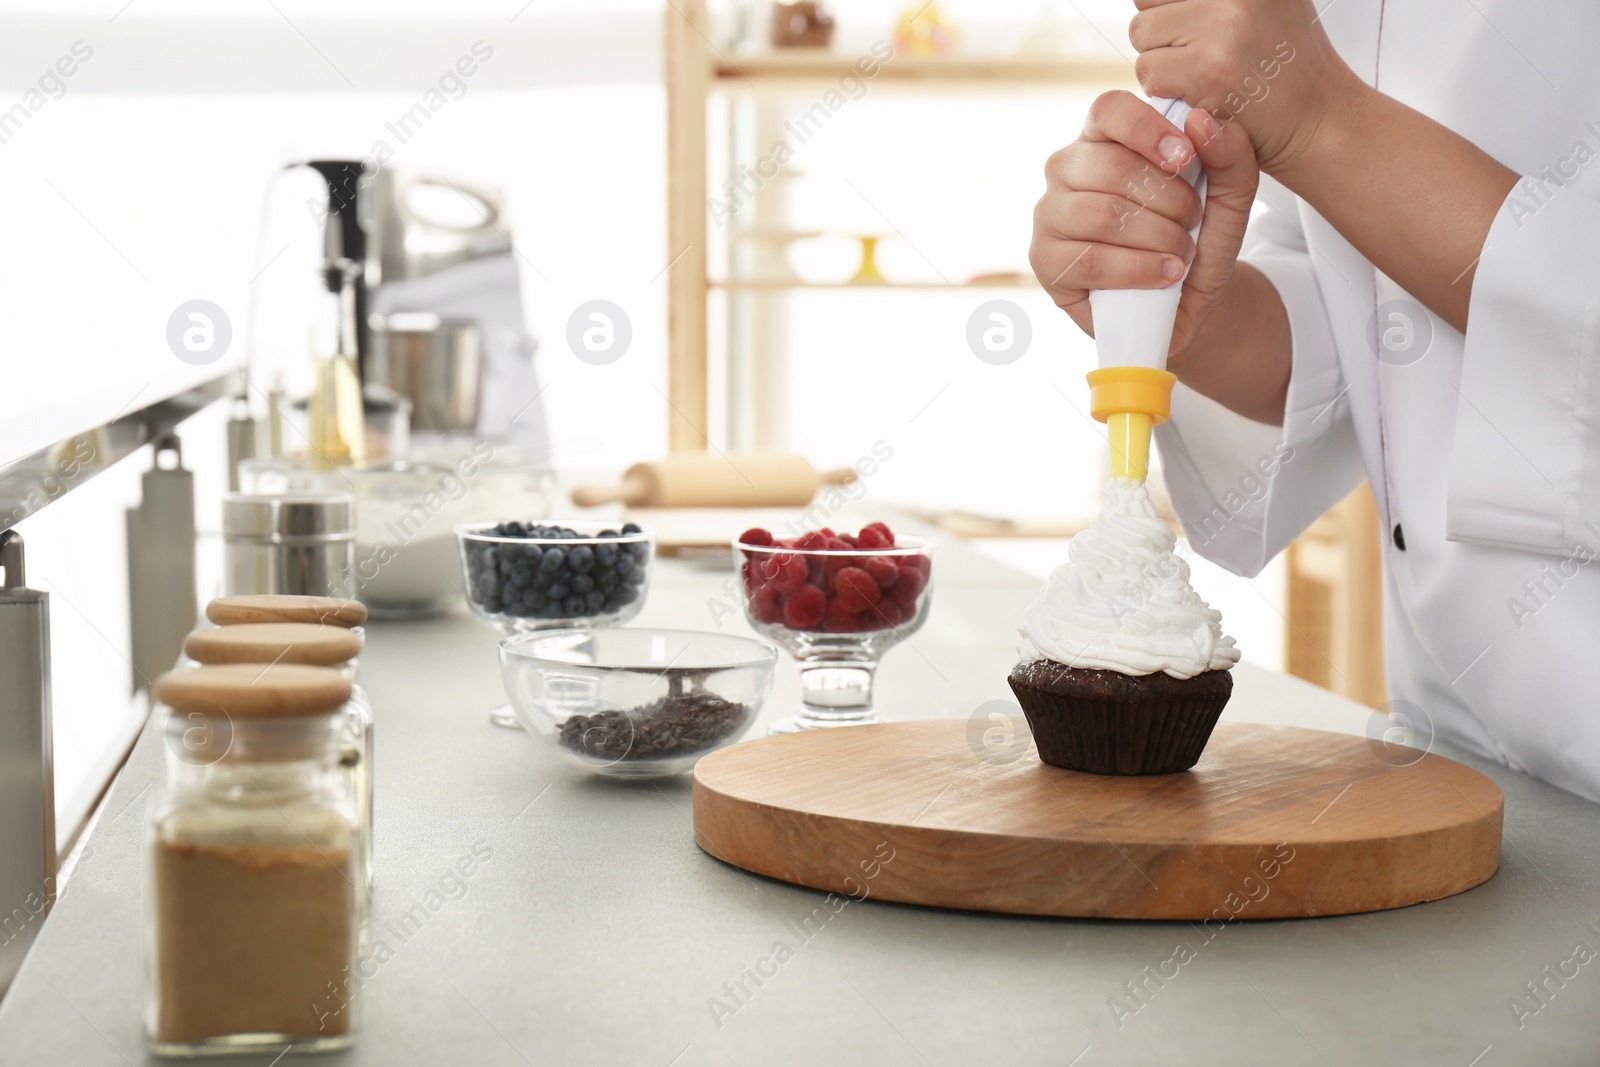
<point x="1116" y="216"/>
<point x="1266" y="64"/>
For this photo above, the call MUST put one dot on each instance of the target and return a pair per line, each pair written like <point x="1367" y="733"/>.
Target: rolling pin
<point x="736" y="480"/>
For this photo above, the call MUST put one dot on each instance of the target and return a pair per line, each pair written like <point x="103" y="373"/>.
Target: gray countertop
<point x="598" y="933"/>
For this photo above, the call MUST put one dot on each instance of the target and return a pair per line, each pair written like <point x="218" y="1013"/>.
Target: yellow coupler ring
<point x="1145" y="390"/>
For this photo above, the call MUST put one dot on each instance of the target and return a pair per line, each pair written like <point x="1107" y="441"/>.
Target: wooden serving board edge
<point x="906" y="864"/>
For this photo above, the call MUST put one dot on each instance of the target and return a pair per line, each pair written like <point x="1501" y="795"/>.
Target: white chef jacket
<point x="1484" y="453"/>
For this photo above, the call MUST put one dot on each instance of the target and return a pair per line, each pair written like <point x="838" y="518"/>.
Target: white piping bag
<point x="1132" y="389"/>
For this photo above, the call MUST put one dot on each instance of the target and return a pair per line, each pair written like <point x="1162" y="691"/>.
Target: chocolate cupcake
<point x="1106" y="722"/>
<point x="1125" y="669"/>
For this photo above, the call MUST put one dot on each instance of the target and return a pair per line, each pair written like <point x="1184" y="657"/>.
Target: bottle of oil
<point x="338" y="426"/>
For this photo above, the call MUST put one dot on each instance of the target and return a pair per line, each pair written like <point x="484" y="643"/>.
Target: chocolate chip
<point x="676" y="725"/>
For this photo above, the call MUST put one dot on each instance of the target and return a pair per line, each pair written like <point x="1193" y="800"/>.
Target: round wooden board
<point x="1273" y="822"/>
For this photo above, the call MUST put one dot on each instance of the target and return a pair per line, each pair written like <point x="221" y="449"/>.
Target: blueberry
<point x="631" y="528"/>
<point x="636" y="576"/>
<point x="640" y="549"/>
<point x="609" y="533"/>
<point x="557" y="590"/>
<point x="626" y="594"/>
<point x="596" y="601"/>
<point x="506" y="566"/>
<point x="521" y="574"/>
<point x="532" y="598"/>
<point x="581" y="583"/>
<point x="531" y="553"/>
<point x="574" y="605"/>
<point x="607" y="581"/>
<point x="490" y="603"/>
<point x="487" y="555"/>
<point x="624" y="563"/>
<point x="553" y="559"/>
<point x="580" y="558"/>
<point x="606" y="555"/>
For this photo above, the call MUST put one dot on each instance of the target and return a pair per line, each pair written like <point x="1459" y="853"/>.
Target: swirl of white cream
<point x="1122" y="601"/>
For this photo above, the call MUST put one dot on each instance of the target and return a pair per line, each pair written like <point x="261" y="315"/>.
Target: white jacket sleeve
<point x="1243" y="490"/>
<point x="1525" y="464"/>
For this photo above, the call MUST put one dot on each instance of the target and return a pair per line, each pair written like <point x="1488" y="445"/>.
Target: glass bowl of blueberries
<point x="524" y="576"/>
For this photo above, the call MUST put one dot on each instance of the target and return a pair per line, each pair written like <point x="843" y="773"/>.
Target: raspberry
<point x="840" y="621"/>
<point x="856" y="589"/>
<point x="827" y="531"/>
<point x="875" y="535"/>
<point x="849" y="539"/>
<point x="751" y="575"/>
<point x="832" y="565"/>
<point x="767" y="605"/>
<point x="804" y="608"/>
<point x="815" y="572"/>
<point x="917" y="563"/>
<point x="784" y="571"/>
<point x="911" y="584"/>
<point x="885" y="614"/>
<point x="882" y="569"/>
<point x="756" y="536"/>
<point x="812" y="539"/>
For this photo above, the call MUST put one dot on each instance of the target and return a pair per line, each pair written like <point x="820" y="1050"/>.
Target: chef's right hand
<point x="1115" y="215"/>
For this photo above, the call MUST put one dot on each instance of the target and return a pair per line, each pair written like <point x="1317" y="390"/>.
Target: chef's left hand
<point x="1265" y="64"/>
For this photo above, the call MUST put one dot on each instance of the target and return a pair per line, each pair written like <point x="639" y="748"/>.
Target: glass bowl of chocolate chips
<point x="637" y="702"/>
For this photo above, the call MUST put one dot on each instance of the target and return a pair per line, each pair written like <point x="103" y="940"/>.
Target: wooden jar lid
<point x="274" y="642"/>
<point x="233" y="610"/>
<point x="255" y="691"/>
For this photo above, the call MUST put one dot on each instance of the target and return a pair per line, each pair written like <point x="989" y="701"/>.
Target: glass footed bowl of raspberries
<point x="523" y="576"/>
<point x="837" y="602"/>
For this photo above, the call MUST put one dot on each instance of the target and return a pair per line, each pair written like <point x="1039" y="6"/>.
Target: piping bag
<point x="1131" y="391"/>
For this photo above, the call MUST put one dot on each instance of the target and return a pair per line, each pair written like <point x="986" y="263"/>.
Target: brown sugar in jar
<point x="253" y="864"/>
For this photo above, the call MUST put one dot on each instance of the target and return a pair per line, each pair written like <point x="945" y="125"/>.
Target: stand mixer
<point x="1131" y="391"/>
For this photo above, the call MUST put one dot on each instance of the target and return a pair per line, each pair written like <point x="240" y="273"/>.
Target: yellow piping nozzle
<point x="1130" y="400"/>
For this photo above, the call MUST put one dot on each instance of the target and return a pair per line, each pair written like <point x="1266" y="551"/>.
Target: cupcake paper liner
<point x="1160" y="735"/>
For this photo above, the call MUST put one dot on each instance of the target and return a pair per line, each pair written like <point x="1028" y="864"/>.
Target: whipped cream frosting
<point x="1122" y="601"/>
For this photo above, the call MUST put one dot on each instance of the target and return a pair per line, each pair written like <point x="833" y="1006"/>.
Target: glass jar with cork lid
<point x="313" y="631"/>
<point x="253" y="864"/>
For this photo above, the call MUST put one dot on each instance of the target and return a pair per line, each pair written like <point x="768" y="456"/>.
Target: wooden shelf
<point x="807" y="65"/>
<point x="780" y="284"/>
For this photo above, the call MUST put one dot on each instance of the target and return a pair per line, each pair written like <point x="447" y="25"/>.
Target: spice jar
<point x="252" y="864"/>
<point x="309" y="644"/>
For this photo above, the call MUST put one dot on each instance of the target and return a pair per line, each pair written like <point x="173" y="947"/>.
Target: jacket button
<point x="1399" y="537"/>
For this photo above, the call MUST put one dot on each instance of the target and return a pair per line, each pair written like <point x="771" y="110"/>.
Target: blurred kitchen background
<point x="793" y="261"/>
